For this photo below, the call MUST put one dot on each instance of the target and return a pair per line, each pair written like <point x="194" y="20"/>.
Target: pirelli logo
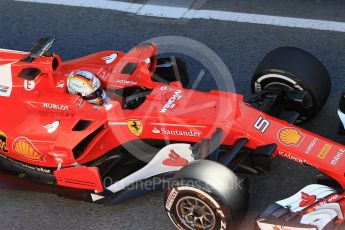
<point x="324" y="151"/>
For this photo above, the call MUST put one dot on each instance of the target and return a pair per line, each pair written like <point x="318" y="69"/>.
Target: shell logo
<point x="26" y="149"/>
<point x="290" y="136"/>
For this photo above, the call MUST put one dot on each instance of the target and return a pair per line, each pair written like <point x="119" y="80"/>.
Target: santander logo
<point x="307" y="200"/>
<point x="175" y="160"/>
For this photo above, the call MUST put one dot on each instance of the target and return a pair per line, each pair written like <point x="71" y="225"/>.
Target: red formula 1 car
<point x="153" y="127"/>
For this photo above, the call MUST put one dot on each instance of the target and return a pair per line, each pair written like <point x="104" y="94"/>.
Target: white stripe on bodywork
<point x="6" y="80"/>
<point x="320" y="191"/>
<point x="179" y="125"/>
<point x="269" y="226"/>
<point x="13" y="51"/>
<point x="111" y="123"/>
<point x="155" y="166"/>
<point x="319" y="218"/>
<point x="333" y="206"/>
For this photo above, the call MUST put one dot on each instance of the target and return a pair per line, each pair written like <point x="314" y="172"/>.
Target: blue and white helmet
<point x="86" y="85"/>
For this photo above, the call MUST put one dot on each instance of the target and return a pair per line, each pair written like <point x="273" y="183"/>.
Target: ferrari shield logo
<point x="135" y="126"/>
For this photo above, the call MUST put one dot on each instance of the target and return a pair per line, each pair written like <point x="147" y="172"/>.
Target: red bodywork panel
<point x="80" y="177"/>
<point x="29" y="136"/>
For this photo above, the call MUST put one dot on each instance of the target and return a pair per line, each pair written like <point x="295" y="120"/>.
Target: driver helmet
<point x="86" y="85"/>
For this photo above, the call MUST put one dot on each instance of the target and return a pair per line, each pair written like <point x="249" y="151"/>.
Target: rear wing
<point x="40" y="48"/>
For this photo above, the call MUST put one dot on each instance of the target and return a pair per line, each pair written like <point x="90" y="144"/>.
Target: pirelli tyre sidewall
<point x="217" y="191"/>
<point x="222" y="219"/>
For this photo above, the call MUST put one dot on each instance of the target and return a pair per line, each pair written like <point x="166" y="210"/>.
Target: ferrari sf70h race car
<point x="154" y="126"/>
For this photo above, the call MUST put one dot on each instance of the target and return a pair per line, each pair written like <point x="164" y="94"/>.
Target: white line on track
<point x="167" y="11"/>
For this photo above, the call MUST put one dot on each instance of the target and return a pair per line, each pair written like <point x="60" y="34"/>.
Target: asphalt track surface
<point x="81" y="31"/>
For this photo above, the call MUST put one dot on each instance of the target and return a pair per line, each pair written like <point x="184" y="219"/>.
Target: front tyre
<point x="206" y="195"/>
<point x="293" y="69"/>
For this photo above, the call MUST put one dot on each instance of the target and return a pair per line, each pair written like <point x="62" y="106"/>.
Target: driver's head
<point x="86" y="85"/>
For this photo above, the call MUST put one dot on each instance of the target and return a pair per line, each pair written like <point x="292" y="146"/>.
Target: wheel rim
<point x="195" y="213"/>
<point x="286" y="84"/>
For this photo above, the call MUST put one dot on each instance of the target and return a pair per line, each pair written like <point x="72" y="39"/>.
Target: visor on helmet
<point x="97" y="94"/>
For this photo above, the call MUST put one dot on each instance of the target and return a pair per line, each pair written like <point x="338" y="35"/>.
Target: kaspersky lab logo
<point x="3" y="139"/>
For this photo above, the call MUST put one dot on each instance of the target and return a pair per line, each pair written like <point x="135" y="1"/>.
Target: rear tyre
<point x="290" y="68"/>
<point x="206" y="195"/>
